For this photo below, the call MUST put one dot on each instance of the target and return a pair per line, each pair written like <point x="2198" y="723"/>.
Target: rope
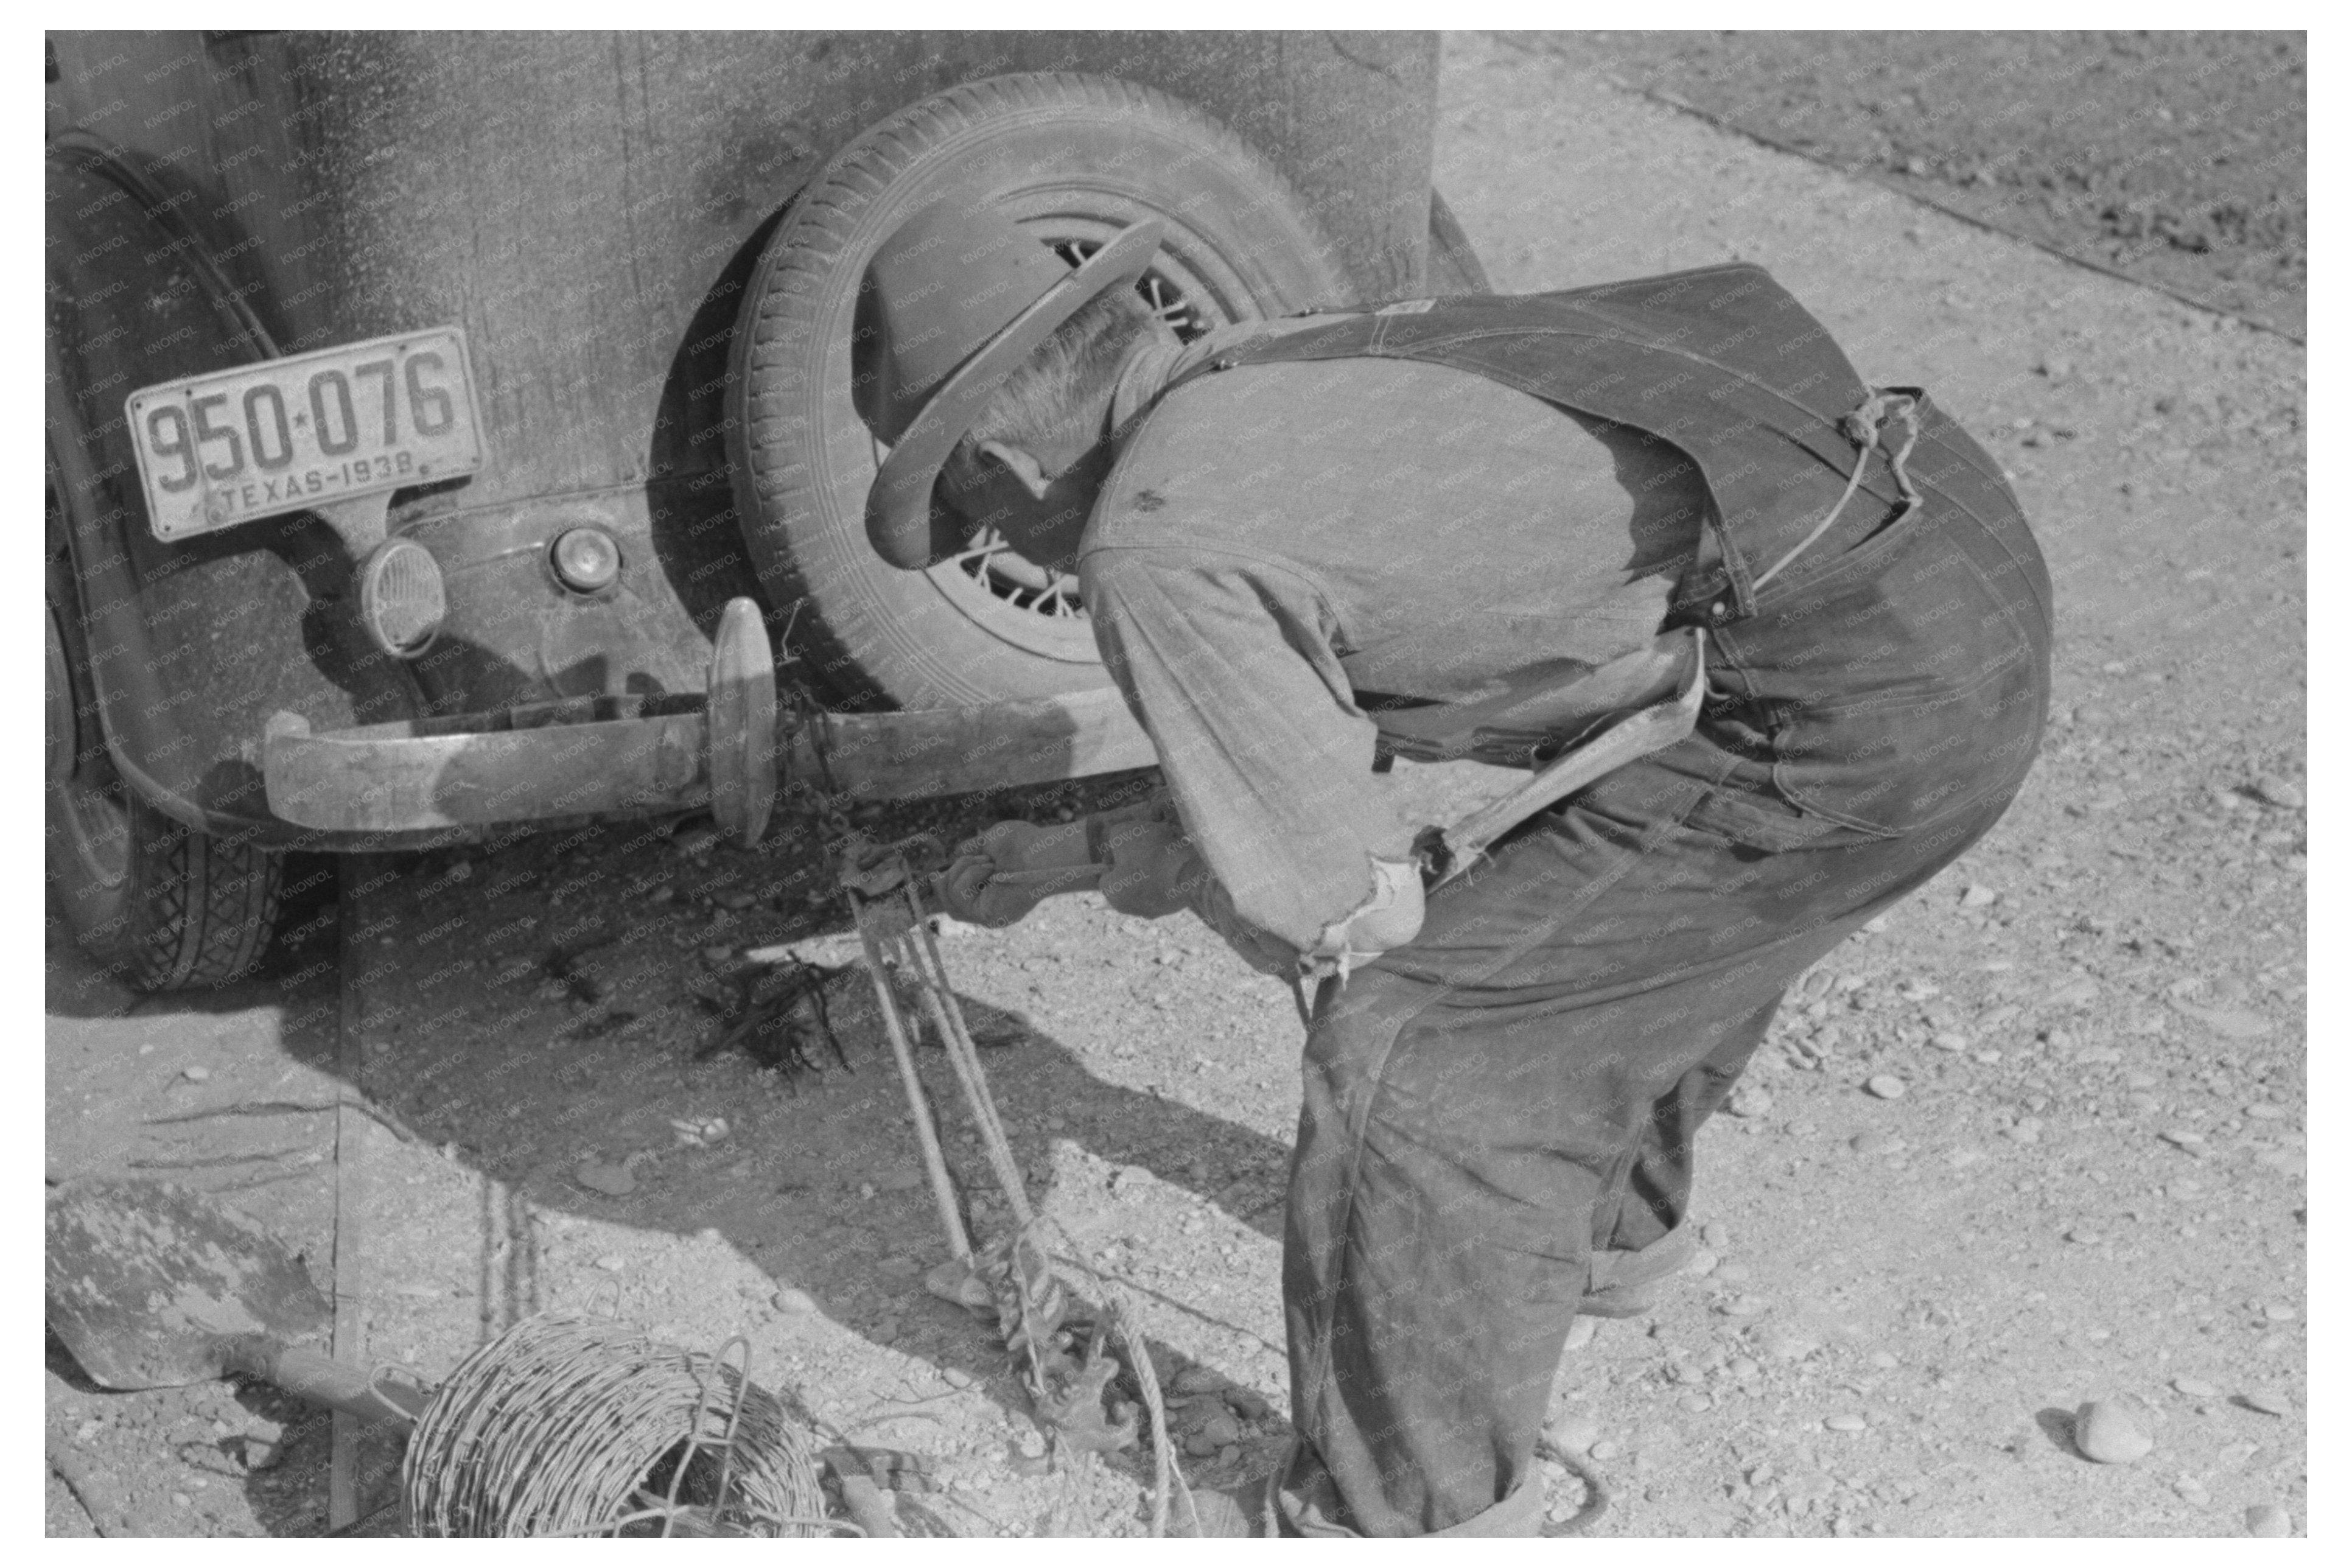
<point x="1166" y="1473"/>
<point x="1862" y="427"/>
<point x="1596" y="1495"/>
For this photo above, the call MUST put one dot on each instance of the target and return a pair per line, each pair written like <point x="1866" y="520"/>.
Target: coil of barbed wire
<point x="573" y="1424"/>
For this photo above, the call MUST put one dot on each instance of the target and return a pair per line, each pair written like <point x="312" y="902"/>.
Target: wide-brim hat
<point x="955" y="302"/>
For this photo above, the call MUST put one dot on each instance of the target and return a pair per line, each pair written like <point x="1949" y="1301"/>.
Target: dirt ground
<point x="2175" y="157"/>
<point x="2090" y="1185"/>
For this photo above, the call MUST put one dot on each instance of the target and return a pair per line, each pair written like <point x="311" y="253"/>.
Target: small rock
<point x="2106" y="1434"/>
<point x="1195" y="1380"/>
<point x="2083" y="1236"/>
<point x="2195" y="1387"/>
<point x="1033" y="1444"/>
<point x="195" y="1075"/>
<point x="612" y="1263"/>
<point x="1885" y="1085"/>
<point x="1703" y="1262"/>
<point x="1696" y="1403"/>
<point x="1749" y="1099"/>
<point x="2192" y="1491"/>
<point x="1979" y="896"/>
<point x="1745" y="1307"/>
<point x="1716" y="1234"/>
<point x="2269" y="1520"/>
<point x="1733" y="1273"/>
<point x="1573" y="1432"/>
<point x="1785" y="1343"/>
<point x="2279" y="791"/>
<point x="1847" y="1424"/>
<point x="793" y="1299"/>
<point x="717" y="954"/>
<point x="886" y="1331"/>
<point x="1604" y="1449"/>
<point x="2270" y="1402"/>
<point x="734" y="899"/>
<point x="1222" y="1429"/>
<point x="695" y="840"/>
<point x="2279" y="1313"/>
<point x="715" y="1130"/>
<point x="2229" y="1023"/>
<point x="1742" y="1368"/>
<point x="1884" y="1360"/>
<point x="1949" y="1040"/>
<point x="1199" y="1446"/>
<point x="613" y="1181"/>
<point x="182" y="1500"/>
<point x="2182" y="1137"/>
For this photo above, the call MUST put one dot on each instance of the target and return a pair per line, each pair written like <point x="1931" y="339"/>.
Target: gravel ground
<point x="2175" y="158"/>
<point x="2087" y="1188"/>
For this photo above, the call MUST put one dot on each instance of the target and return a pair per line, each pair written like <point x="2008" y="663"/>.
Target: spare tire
<point x="1072" y="159"/>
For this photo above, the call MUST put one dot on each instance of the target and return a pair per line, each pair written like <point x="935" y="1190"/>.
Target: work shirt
<point x="1290" y="558"/>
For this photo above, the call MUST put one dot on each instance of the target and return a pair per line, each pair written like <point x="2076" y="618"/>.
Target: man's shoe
<point x="1633" y="1284"/>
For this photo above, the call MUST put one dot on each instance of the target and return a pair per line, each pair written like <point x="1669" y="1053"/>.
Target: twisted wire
<point x="556" y="1427"/>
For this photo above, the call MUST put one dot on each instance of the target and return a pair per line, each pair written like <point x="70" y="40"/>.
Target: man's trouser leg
<point x="1532" y="1068"/>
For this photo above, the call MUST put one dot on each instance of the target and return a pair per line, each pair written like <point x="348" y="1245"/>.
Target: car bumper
<point x="639" y="756"/>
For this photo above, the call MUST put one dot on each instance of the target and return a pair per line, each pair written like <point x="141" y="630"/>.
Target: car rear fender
<point x="190" y="646"/>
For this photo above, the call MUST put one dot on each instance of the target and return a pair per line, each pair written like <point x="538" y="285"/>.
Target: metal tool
<point x="1061" y="1354"/>
<point x="152" y="1285"/>
<point x="564" y="1424"/>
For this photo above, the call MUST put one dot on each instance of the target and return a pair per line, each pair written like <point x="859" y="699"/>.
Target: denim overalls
<point x="1498" y="1118"/>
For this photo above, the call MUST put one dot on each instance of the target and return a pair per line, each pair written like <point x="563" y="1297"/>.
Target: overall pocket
<point x="1901" y="689"/>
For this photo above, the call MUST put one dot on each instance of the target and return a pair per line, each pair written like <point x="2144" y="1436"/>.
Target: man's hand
<point x="999" y="876"/>
<point x="1148" y="867"/>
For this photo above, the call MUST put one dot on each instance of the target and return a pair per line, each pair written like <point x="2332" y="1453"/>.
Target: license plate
<point x="290" y="435"/>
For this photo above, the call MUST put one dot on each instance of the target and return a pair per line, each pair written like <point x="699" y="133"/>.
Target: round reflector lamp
<point x="586" y="559"/>
<point x="401" y="600"/>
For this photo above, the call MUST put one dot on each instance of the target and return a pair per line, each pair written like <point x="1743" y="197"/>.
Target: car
<point x="450" y="435"/>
